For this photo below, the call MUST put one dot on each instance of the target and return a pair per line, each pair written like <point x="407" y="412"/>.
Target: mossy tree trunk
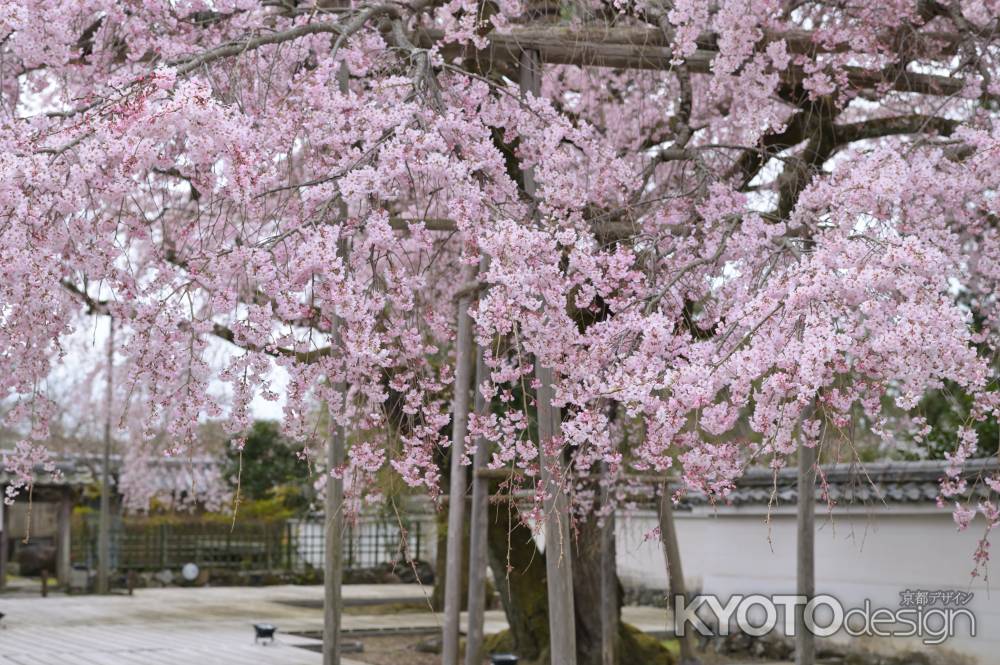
<point x="587" y="592"/>
<point x="519" y="572"/>
<point x="522" y="592"/>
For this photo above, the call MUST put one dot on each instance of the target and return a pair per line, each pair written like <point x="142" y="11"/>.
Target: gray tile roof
<point x="166" y="474"/>
<point x="890" y="482"/>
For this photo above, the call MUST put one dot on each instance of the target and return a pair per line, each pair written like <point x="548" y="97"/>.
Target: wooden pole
<point x="4" y="541"/>
<point x="558" y="561"/>
<point x="675" y="571"/>
<point x="478" y="529"/>
<point x="104" y="518"/>
<point x="609" y="585"/>
<point x="456" y="494"/>
<point x="63" y="544"/>
<point x="333" y="554"/>
<point x="805" y="642"/>
<point x="333" y="565"/>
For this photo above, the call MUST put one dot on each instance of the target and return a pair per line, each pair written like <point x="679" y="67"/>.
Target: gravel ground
<point x="395" y="650"/>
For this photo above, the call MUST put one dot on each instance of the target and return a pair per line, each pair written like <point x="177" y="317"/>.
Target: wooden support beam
<point x="651" y="478"/>
<point x="333" y="553"/>
<point x="4" y="541"/>
<point x="104" y="517"/>
<point x="594" y="53"/>
<point x="609" y="584"/>
<point x="558" y="551"/>
<point x="478" y="519"/>
<point x="604" y="230"/>
<point x="64" y="527"/>
<point x="456" y="505"/>
<point x="633" y="48"/>
<point x="797" y="41"/>
<point x="334" y="546"/>
<point x="558" y="548"/>
<point x="805" y="642"/>
<point x="430" y="223"/>
<point x="675" y="571"/>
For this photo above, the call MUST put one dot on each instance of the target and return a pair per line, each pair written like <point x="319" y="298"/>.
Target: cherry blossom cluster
<point x="788" y="228"/>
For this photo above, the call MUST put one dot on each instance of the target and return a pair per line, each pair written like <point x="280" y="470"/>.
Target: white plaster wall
<point x="312" y="542"/>
<point x="860" y="554"/>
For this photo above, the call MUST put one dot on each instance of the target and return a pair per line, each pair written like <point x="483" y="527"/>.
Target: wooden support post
<point x="456" y="493"/>
<point x="558" y="560"/>
<point x="64" y="539"/>
<point x="104" y="518"/>
<point x="333" y="553"/>
<point x="477" y="530"/>
<point x="675" y="571"/>
<point x="333" y="532"/>
<point x="558" y="548"/>
<point x="4" y="541"/>
<point x="805" y="643"/>
<point x="609" y="585"/>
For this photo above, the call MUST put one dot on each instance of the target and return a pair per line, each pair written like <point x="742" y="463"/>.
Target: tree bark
<point x="591" y="599"/>
<point x="519" y="572"/>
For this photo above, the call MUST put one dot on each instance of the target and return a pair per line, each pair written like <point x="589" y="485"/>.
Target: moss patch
<point x="635" y="648"/>
<point x="638" y="648"/>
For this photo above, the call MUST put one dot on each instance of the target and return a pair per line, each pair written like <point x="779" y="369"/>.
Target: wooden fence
<point x="144" y="545"/>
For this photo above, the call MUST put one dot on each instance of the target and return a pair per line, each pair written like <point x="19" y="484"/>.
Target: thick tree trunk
<point x="589" y="593"/>
<point x="519" y="572"/>
<point x="610" y="594"/>
<point x="522" y="591"/>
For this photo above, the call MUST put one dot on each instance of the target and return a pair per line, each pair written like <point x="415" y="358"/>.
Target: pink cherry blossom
<point x="764" y="234"/>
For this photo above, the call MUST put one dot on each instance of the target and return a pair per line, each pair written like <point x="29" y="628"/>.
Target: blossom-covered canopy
<point x="728" y="227"/>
